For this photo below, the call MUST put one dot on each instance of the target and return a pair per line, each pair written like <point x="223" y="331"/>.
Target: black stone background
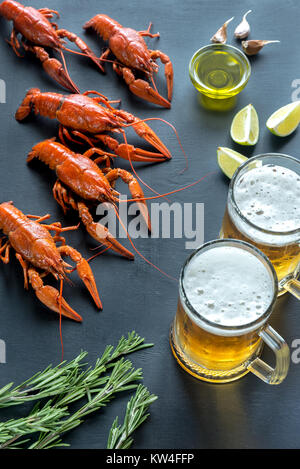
<point x="189" y="413"/>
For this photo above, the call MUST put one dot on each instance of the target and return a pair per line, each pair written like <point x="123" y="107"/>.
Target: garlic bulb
<point x="243" y="29"/>
<point x="220" y="37"/>
<point x="254" y="46"/>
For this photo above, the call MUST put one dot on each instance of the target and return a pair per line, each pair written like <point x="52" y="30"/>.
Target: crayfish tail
<point x="10" y="9"/>
<point x="103" y="25"/>
<point x="26" y="107"/>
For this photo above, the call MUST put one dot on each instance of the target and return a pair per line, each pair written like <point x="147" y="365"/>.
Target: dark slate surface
<point x="188" y="414"/>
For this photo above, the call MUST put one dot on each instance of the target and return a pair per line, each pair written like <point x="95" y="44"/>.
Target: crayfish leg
<point x="64" y="133"/>
<point x="53" y="67"/>
<point x="100" y="233"/>
<point x="103" y="158"/>
<point x="135" y="190"/>
<point x="104" y="55"/>
<point x="63" y="197"/>
<point x="84" y="271"/>
<point x="142" y="129"/>
<point x="24" y="266"/>
<point x="51" y="297"/>
<point x="129" y="152"/>
<point x="143" y="89"/>
<point x="169" y="73"/>
<point x="147" y="32"/>
<point x="85" y="49"/>
<point x="14" y="43"/>
<point x="48" y="13"/>
<point x="5" y="248"/>
<point x="38" y="219"/>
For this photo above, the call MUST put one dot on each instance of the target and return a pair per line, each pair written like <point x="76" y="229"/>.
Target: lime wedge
<point x="245" y="126"/>
<point x="285" y="120"/>
<point x="229" y="160"/>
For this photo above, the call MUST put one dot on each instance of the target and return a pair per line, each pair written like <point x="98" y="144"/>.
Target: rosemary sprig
<point x="67" y="384"/>
<point x="136" y="414"/>
<point x="47" y="383"/>
<point x="44" y="419"/>
<point x="67" y="378"/>
<point x="122" y="378"/>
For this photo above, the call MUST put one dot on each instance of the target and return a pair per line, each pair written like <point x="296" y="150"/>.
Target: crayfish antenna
<point x="137" y="251"/>
<point x="134" y="171"/>
<point x="60" y="317"/>
<point x="141" y="121"/>
<point x="72" y="84"/>
<point x="85" y="49"/>
<point x="169" y="193"/>
<point x="151" y="198"/>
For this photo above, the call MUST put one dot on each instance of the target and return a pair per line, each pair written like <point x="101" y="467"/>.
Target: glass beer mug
<point x="263" y="208"/>
<point x="227" y="291"/>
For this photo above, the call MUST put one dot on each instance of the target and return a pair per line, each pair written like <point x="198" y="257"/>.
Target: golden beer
<point x="263" y="209"/>
<point x="221" y="319"/>
<point x="214" y="352"/>
<point x="285" y="258"/>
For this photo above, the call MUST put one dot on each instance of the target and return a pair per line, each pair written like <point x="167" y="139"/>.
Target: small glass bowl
<point x="219" y="71"/>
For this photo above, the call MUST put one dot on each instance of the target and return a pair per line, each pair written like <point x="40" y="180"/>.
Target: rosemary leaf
<point x="136" y="414"/>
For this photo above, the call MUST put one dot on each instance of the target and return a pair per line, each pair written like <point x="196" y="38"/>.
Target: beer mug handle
<point x="282" y="353"/>
<point x="293" y="286"/>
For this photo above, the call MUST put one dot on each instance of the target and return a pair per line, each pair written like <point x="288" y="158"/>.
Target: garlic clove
<point x="243" y="29"/>
<point x="254" y="46"/>
<point x="220" y="37"/>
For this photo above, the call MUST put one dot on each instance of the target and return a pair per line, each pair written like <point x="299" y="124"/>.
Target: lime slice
<point x="285" y="120"/>
<point x="245" y="126"/>
<point x="229" y="160"/>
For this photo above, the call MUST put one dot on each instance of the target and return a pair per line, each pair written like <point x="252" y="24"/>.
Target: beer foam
<point x="228" y="286"/>
<point x="268" y="196"/>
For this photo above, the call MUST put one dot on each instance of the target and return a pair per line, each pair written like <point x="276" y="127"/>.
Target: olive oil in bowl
<point x="219" y="71"/>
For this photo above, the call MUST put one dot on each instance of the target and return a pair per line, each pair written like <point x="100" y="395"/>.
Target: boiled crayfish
<point x="37" y="33"/>
<point x="85" y="117"/>
<point x="36" y="249"/>
<point x="132" y="54"/>
<point x="81" y="182"/>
